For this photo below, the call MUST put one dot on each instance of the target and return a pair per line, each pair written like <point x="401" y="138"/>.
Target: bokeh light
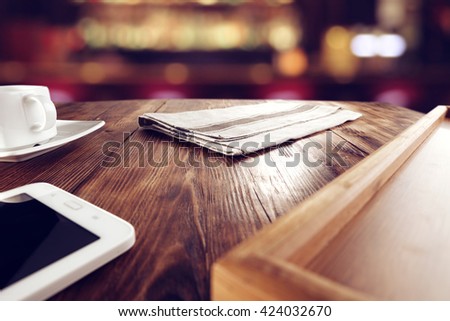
<point x="371" y="45"/>
<point x="291" y="63"/>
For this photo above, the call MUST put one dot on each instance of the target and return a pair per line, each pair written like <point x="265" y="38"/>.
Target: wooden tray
<point x="379" y="231"/>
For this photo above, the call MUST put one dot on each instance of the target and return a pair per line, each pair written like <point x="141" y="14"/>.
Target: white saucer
<point x="68" y="130"/>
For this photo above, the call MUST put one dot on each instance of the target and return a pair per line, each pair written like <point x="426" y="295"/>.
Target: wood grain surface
<point x="398" y="247"/>
<point x="190" y="206"/>
<point x="285" y="248"/>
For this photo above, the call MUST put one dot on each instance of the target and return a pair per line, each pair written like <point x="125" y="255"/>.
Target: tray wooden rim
<point x="259" y="269"/>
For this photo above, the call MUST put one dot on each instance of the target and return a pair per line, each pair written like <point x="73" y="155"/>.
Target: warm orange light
<point x="337" y="37"/>
<point x="92" y="72"/>
<point x="291" y="63"/>
<point x="176" y="73"/>
<point x="336" y="56"/>
<point x="261" y="74"/>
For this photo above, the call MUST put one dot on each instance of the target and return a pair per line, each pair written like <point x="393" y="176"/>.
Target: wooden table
<point x="189" y="206"/>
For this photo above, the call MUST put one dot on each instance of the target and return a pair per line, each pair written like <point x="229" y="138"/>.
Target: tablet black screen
<point x="33" y="236"/>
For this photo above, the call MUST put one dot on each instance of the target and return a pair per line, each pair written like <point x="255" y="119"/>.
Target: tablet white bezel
<point x="115" y="237"/>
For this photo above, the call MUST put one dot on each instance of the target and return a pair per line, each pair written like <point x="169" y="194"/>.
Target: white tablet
<point x="50" y="238"/>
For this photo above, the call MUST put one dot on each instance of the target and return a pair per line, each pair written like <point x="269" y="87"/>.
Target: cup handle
<point x="40" y="112"/>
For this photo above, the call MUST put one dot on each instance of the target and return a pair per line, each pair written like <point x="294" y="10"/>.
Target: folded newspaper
<point x="244" y="129"/>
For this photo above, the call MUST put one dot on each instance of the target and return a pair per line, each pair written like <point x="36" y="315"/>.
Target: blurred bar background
<point x="395" y="51"/>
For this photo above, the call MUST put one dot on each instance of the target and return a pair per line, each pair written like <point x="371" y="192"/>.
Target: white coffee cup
<point x="27" y="116"/>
